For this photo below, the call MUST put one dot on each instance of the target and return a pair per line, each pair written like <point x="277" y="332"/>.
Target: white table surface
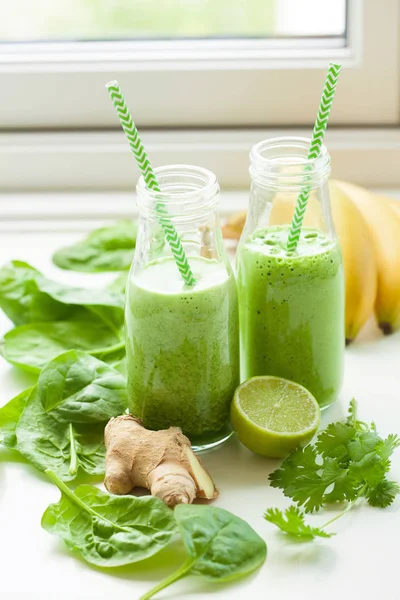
<point x="361" y="562"/>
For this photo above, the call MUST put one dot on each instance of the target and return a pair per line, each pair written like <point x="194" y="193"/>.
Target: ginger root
<point x="161" y="461"/>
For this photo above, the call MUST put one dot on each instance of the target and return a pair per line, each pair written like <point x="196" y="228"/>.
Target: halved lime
<point x="272" y="416"/>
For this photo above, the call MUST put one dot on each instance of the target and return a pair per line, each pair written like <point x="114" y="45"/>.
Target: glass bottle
<point x="291" y="303"/>
<point x="182" y="342"/>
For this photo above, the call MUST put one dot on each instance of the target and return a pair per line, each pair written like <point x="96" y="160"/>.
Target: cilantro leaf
<point x="299" y="478"/>
<point x="305" y="481"/>
<point x="385" y="448"/>
<point x="333" y="441"/>
<point x="364" y="443"/>
<point x="342" y="484"/>
<point x="342" y="487"/>
<point x="383" y="493"/>
<point x="369" y="470"/>
<point x="300" y="461"/>
<point x="292" y="522"/>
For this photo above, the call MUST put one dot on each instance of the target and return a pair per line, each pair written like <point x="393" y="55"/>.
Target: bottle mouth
<point x="283" y="163"/>
<point x="185" y="190"/>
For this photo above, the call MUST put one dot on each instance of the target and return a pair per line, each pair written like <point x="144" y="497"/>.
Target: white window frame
<point x="59" y="131"/>
<point x="207" y="84"/>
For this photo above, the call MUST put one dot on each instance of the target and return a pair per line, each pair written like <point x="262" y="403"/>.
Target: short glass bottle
<point x="182" y="342"/>
<point x="291" y="303"/>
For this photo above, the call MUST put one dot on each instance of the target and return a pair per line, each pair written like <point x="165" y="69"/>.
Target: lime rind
<point x="263" y="400"/>
<point x="303" y="396"/>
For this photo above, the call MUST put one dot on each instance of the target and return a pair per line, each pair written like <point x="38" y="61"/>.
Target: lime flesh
<point x="272" y="416"/>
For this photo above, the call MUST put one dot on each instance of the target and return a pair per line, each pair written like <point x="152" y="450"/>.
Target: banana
<point x="395" y="205"/>
<point x="384" y="226"/>
<point x="283" y="206"/>
<point x="359" y="260"/>
<point x="234" y="225"/>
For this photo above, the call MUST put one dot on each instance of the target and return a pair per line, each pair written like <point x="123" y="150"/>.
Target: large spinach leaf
<point x="221" y="546"/>
<point x="9" y="417"/>
<point x="66" y="433"/>
<point x="109" y="531"/>
<point x="48" y="441"/>
<point x="26" y="296"/>
<point x="106" y="249"/>
<point x="31" y="346"/>
<point x="82" y="388"/>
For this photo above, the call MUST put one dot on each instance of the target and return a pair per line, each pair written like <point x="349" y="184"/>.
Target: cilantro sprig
<point x="349" y="461"/>
<point x="292" y="522"/>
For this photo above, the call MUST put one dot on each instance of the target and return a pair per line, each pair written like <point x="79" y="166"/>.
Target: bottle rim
<point x="282" y="162"/>
<point x="185" y="190"/>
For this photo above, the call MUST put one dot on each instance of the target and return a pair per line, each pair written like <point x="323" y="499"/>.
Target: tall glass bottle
<point x="182" y="342"/>
<point x="291" y="303"/>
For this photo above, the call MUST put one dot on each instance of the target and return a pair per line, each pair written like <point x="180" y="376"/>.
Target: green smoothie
<point x="292" y="309"/>
<point x="182" y="346"/>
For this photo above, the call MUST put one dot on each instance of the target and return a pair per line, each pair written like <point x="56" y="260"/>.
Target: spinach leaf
<point x="47" y="441"/>
<point x="220" y="545"/>
<point x="31" y="346"/>
<point x="82" y="388"/>
<point x="26" y="296"/>
<point x="80" y="394"/>
<point x="109" y="531"/>
<point x="9" y="417"/>
<point x="106" y="249"/>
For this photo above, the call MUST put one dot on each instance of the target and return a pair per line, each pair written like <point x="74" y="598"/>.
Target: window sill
<point x="98" y="161"/>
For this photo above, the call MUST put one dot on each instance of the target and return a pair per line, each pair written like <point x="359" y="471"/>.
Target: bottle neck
<point x="282" y="164"/>
<point x="186" y="194"/>
<point x="280" y="170"/>
<point x="188" y="197"/>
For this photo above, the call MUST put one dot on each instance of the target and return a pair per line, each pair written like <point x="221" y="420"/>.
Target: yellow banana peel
<point x="383" y="222"/>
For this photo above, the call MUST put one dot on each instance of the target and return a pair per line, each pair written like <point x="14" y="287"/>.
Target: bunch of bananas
<point x="368" y="227"/>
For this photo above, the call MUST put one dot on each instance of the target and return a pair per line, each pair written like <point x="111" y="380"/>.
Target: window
<point x="261" y="65"/>
<point x="205" y="79"/>
<point x="59" y="20"/>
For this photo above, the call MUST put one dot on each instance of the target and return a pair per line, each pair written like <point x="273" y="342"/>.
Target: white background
<point x="361" y="562"/>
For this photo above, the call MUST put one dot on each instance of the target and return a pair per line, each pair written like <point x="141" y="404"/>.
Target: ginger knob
<point x="160" y="461"/>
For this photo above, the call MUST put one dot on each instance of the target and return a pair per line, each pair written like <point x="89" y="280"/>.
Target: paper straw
<point x="139" y="152"/>
<point x="314" y="150"/>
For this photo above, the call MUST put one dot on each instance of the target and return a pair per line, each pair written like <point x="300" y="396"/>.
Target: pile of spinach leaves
<point x="51" y="318"/>
<point x="71" y="339"/>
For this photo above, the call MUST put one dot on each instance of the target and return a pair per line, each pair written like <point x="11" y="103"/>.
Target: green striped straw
<point x="139" y="152"/>
<point x="314" y="150"/>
